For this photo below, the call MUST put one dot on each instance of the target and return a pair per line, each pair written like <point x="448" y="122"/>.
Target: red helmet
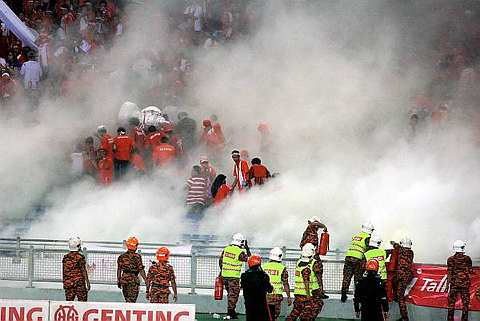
<point x="254" y="260"/>
<point x="132" y="243"/>
<point x="372" y="265"/>
<point x="207" y="123"/>
<point x="163" y="254"/>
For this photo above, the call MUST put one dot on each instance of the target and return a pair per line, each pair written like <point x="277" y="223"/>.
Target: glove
<point x="385" y="316"/>
<point x="175" y="298"/>
<point x="289" y="301"/>
<point x="119" y="284"/>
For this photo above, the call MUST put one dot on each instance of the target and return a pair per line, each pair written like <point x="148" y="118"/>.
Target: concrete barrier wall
<point x="204" y="302"/>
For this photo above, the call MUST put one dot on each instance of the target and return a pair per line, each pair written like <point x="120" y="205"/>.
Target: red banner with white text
<point x="429" y="287"/>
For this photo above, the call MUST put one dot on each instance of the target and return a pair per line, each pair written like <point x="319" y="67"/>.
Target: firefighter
<point x="279" y="279"/>
<point x="403" y="275"/>
<point x="355" y="258"/>
<point x="311" y="232"/>
<point x="459" y="270"/>
<point x="370" y="299"/>
<point x="304" y="307"/>
<point x="160" y="277"/>
<point x="231" y="261"/>
<point x="106" y="141"/>
<point x="129" y="266"/>
<point x="75" y="277"/>
<point x="256" y="284"/>
<point x="374" y="252"/>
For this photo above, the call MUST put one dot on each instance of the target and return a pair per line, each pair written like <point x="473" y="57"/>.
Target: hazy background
<point x="334" y="81"/>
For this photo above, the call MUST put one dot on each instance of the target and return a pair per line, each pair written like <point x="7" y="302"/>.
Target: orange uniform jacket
<point x="105" y="171"/>
<point x="106" y="142"/>
<point x="122" y="147"/>
<point x="163" y="154"/>
<point x="153" y="139"/>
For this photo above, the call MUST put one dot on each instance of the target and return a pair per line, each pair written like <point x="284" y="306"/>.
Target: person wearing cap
<point x="161" y="277"/>
<point x="212" y="137"/>
<point x="129" y="266"/>
<point x="8" y="87"/>
<point x="207" y="171"/>
<point x="74" y="269"/>
<point x="256" y="284"/>
<point x="403" y="274"/>
<point x="240" y="172"/>
<point x="459" y="271"/>
<point x="311" y="232"/>
<point x="106" y="141"/>
<point x="370" y="299"/>
<point x="122" y="152"/>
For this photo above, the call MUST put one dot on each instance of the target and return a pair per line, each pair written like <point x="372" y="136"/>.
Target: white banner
<point x="23" y="310"/>
<point x="112" y="311"/>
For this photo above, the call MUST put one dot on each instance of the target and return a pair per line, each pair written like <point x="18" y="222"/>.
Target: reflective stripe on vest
<point x="231" y="264"/>
<point x="358" y="246"/>
<point x="299" y="285"/>
<point x="381" y="256"/>
<point x="274" y="271"/>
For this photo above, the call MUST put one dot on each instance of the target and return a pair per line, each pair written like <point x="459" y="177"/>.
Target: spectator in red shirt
<point x="220" y="190"/>
<point x="153" y="138"/>
<point x="122" y="151"/>
<point x="104" y="168"/>
<point x="240" y="172"/>
<point x="164" y="153"/>
<point x="8" y="87"/>
<point x="258" y="173"/>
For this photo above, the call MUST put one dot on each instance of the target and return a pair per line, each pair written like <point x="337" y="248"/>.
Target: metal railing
<point x="33" y="261"/>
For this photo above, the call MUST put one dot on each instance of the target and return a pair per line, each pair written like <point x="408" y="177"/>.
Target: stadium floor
<point x="209" y="317"/>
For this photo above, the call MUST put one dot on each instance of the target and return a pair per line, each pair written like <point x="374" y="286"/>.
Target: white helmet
<point x="308" y="250"/>
<point x="459" y="246"/>
<point x="375" y="240"/>
<point x="74" y="243"/>
<point x="406" y="242"/>
<point x="276" y="254"/>
<point x="314" y="219"/>
<point x="238" y="239"/>
<point x="368" y="227"/>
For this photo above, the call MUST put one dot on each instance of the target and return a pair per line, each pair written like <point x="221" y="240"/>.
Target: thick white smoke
<point x="329" y="83"/>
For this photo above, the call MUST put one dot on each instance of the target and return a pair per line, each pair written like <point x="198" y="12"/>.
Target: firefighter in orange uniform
<point x="160" y="277"/>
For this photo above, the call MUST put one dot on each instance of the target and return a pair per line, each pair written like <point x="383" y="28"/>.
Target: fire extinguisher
<point x="218" y="288"/>
<point x="324" y="243"/>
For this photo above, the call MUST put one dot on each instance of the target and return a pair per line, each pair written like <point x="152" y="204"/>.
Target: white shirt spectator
<point x="31" y="72"/>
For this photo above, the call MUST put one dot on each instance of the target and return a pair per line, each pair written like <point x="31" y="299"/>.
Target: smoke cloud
<point x="332" y="82"/>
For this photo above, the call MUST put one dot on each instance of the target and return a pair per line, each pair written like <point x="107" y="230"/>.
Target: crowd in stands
<point x="70" y="31"/>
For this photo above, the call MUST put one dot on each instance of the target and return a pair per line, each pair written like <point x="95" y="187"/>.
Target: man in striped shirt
<point x="197" y="194"/>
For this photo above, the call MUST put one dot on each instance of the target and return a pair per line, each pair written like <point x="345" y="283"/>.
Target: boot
<point x="344" y="297"/>
<point x="231" y="314"/>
